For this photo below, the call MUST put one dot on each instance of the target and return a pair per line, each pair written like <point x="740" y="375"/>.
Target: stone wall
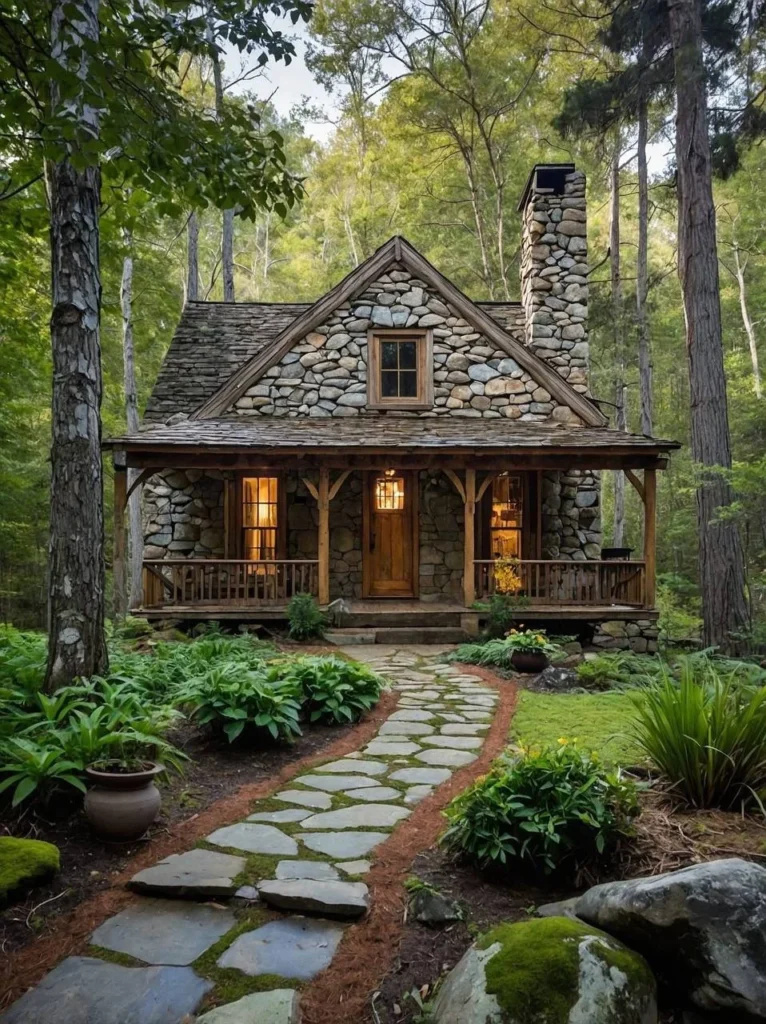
<point x="325" y="374"/>
<point x="571" y="515"/>
<point x="639" y="635"/>
<point x="441" y="539"/>
<point x="183" y="514"/>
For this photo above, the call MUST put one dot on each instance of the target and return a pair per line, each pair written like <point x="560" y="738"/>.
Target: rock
<point x="359" y="816"/>
<point x="355" y="867"/>
<point x="555" y="678"/>
<point x="411" y="716"/>
<point x="197" y="873"/>
<point x="400" y="728"/>
<point x="164" y="932"/>
<point x="374" y="793"/>
<point x="358" y="766"/>
<point x="417" y="793"/>
<point x="83" y="990"/>
<point x="391" y="748"/>
<point x="563" y="908"/>
<point x="316" y="869"/>
<point x="335" y="783"/>
<point x="463" y="729"/>
<point x="550" y="971"/>
<point x="295" y="947"/>
<point x="340" y="899"/>
<point x="454" y="742"/>
<point x="306" y="799"/>
<point x="703" y="928"/>
<point x="279" y="1006"/>
<point x="450" y="758"/>
<point x="248" y="893"/>
<point x="430" y="907"/>
<point x="421" y="776"/>
<point x="288" y="815"/>
<point x="342" y="845"/>
<point x="24" y="863"/>
<point x="254" y="839"/>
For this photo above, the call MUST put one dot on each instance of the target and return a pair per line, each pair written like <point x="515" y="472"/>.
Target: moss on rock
<point x="23" y="863"/>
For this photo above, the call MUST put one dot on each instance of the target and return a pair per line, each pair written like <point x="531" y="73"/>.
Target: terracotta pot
<point x="529" y="661"/>
<point x="122" y="805"/>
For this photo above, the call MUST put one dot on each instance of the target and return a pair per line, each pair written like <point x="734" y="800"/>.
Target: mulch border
<point x="67" y="937"/>
<point x="368" y="950"/>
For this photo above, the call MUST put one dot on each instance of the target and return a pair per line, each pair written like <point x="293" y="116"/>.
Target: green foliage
<point x="557" y="810"/>
<point x="503" y="612"/>
<point x="333" y="689"/>
<point x="32" y="768"/>
<point x="306" y="620"/>
<point x="679" y="609"/>
<point x="500" y="652"/>
<point x="706" y="732"/>
<point x="24" y="862"/>
<point x="618" y="668"/>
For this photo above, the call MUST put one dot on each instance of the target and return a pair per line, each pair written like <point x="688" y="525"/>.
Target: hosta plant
<point x="28" y="768"/>
<point x="334" y="689"/>
<point x="500" y="652"/>
<point x="555" y="810"/>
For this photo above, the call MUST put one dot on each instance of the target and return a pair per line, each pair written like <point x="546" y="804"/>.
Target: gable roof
<point x="397" y="249"/>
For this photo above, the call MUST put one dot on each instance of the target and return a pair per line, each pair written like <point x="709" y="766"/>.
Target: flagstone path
<point x="304" y="851"/>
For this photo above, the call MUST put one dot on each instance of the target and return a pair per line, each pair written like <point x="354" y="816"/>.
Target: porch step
<point x="421" y="635"/>
<point x="351" y="636"/>
<point x="398" y="618"/>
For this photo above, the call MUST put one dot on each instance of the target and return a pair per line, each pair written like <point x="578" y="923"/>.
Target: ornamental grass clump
<point x="706" y="732"/>
<point x="550" y="811"/>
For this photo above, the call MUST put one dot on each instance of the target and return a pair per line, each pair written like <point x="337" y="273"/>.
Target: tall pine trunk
<point x="227" y="228"/>
<point x="192" y="257"/>
<point x="721" y="561"/>
<point x="642" y="277"/>
<point x="135" y="528"/>
<point x="76" y="645"/>
<point x="618" y="327"/>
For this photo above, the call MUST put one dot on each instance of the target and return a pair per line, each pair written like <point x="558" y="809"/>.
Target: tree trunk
<point x="619" y="337"/>
<point x="135" y="528"/>
<point x="227" y="230"/>
<point x="642" y="278"/>
<point x="721" y="562"/>
<point x="192" y="257"/>
<point x="76" y="645"/>
<point x="749" y="329"/>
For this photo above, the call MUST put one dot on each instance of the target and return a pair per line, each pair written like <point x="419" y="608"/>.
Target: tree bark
<point x="227" y="229"/>
<point x="135" y="528"/>
<point x="721" y="561"/>
<point x="642" y="278"/>
<point x="77" y="644"/>
<point x="619" y="337"/>
<point x="748" y="323"/>
<point x="192" y="257"/>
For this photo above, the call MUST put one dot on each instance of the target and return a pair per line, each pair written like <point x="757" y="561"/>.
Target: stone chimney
<point x="554" y="269"/>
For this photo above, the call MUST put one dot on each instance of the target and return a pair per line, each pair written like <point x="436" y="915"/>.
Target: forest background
<point x="438" y="150"/>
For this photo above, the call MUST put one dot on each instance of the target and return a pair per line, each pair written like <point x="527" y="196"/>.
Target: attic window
<point x="400" y="374"/>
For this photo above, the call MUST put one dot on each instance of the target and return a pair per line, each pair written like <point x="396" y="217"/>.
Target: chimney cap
<point x="552" y="173"/>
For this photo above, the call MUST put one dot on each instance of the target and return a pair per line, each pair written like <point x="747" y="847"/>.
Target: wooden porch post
<point x="323" y="548"/>
<point x="119" y="567"/>
<point x="650" y="534"/>
<point x="469" y="586"/>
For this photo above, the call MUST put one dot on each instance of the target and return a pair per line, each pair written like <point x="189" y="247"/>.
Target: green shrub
<point x="233" y="697"/>
<point x="500" y="652"/>
<point x="618" y="669"/>
<point x="557" y="810"/>
<point x="679" y="608"/>
<point x="334" y="689"/>
<point x="706" y="733"/>
<point x="306" y="620"/>
<point x="503" y="610"/>
<point x="24" y="862"/>
<point x="39" y="769"/>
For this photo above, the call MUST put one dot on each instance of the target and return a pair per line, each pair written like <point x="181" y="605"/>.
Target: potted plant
<point x="531" y="649"/>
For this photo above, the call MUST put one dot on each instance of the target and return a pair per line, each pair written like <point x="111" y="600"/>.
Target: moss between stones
<point x="23" y="863"/>
<point x="112" y="956"/>
<point x="535" y="975"/>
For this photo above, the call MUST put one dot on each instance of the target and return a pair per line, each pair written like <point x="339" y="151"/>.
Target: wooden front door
<point x="390" y="535"/>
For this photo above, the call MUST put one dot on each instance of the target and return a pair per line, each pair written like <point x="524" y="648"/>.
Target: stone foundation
<point x="637" y="635"/>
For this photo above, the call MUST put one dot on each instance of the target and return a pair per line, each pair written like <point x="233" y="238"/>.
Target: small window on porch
<point x="506" y="521"/>
<point x="260" y="516"/>
<point x="399" y="370"/>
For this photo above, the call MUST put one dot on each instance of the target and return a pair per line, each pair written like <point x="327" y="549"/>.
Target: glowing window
<point x="260" y="515"/>
<point x="389" y="494"/>
<point x="506" y="522"/>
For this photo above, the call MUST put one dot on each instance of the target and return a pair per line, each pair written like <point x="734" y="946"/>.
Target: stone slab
<point x="336" y="783"/>
<point x="315" y="869"/>
<point x="393" y="749"/>
<point x="339" y="899"/>
<point x="361" y="766"/>
<point x="293" y="947"/>
<point x="374" y="793"/>
<point x="279" y="1006"/>
<point x="359" y="816"/>
<point x="422" y="776"/>
<point x="197" y="873"/>
<point x="288" y="815"/>
<point x="477" y="716"/>
<point x="83" y="990"/>
<point x="342" y="845"/>
<point x="354" y="867"/>
<point x="164" y="932"/>
<point x="454" y="742"/>
<point x="447" y="758"/>
<point x="401" y="728"/>
<point x="464" y="729"/>
<point x="299" y="796"/>
<point x="411" y="716"/>
<point x="417" y="793"/>
<point x="254" y="839"/>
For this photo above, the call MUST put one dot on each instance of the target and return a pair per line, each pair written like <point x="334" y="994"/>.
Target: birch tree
<point x="618" y="326"/>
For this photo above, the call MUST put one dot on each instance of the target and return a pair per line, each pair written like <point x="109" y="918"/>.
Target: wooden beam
<point x="323" y="546"/>
<point x="339" y="483"/>
<point x="639" y="487"/>
<point x="469" y="586"/>
<point x="484" y="485"/>
<point x="452" y="475"/>
<point x="650" y="535"/>
<point x="139" y="479"/>
<point x="119" y="566"/>
<point x="311" y="487"/>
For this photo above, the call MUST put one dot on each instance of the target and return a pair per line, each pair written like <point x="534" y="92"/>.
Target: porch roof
<point x="380" y="434"/>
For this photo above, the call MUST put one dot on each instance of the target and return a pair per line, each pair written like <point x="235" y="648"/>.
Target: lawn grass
<point x="598" y="721"/>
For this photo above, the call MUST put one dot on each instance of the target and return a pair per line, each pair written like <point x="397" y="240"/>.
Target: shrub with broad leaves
<point x="334" y="689"/>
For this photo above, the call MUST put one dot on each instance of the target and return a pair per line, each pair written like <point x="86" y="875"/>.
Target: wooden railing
<point x="568" y="583"/>
<point x="227" y="583"/>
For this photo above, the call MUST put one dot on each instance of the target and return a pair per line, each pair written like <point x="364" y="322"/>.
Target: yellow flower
<point x="563" y="741"/>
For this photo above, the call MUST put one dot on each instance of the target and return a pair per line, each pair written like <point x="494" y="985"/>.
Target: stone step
<point x="349" y="637"/>
<point x="414" y="634"/>
<point x="381" y="618"/>
<point x="339" y="899"/>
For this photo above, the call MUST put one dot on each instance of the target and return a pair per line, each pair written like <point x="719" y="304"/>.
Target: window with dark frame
<point x="399" y="369"/>
<point x="260" y="517"/>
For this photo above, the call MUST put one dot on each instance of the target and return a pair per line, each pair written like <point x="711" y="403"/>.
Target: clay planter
<point x="529" y="661"/>
<point x="122" y="805"/>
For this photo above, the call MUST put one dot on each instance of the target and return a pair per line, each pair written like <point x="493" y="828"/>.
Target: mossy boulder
<point x="24" y="863"/>
<point x="548" y="971"/>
